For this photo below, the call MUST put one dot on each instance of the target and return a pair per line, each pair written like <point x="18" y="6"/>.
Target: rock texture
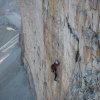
<point x="67" y="30"/>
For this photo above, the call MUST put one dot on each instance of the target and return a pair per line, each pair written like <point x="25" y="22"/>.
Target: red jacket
<point x="54" y="65"/>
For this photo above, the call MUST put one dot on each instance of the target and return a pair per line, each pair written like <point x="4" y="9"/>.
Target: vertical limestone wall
<point x="67" y="30"/>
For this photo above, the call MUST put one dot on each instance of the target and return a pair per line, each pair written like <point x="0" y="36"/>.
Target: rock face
<point x="69" y="31"/>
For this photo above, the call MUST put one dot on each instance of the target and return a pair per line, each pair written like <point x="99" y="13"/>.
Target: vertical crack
<point x="75" y="37"/>
<point x="77" y="55"/>
<point x="71" y="31"/>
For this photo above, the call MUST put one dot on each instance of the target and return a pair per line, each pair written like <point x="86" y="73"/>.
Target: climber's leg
<point x="52" y="70"/>
<point x="55" y="75"/>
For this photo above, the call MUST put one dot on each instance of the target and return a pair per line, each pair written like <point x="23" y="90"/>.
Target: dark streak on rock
<point x="69" y="27"/>
<point x="58" y="44"/>
<point x="75" y="37"/>
<point x="77" y="56"/>
<point x="38" y="51"/>
<point x="71" y="31"/>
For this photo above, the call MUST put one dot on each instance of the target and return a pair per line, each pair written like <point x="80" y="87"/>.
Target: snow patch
<point x="10" y="29"/>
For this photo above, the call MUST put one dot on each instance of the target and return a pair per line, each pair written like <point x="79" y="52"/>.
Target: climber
<point x="54" y="68"/>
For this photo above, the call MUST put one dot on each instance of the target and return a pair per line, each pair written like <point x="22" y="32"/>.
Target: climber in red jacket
<point x="54" y="68"/>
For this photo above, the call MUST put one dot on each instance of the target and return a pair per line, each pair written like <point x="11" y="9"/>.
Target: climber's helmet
<point x="56" y="62"/>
